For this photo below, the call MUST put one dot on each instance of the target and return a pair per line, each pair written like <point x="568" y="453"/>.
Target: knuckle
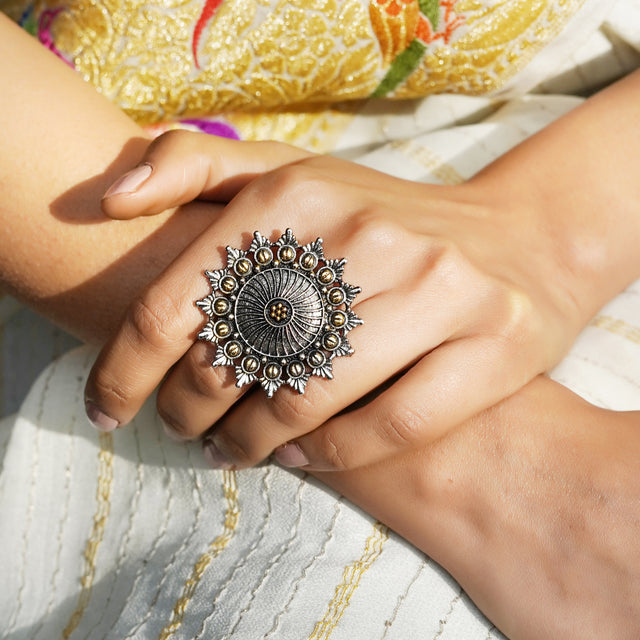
<point x="192" y="381"/>
<point x="400" y="426"/>
<point x="446" y="262"/>
<point x="237" y="449"/>
<point x="333" y="453"/>
<point x="277" y="149"/>
<point x="171" y="140"/>
<point x="178" y="428"/>
<point x="296" y="410"/>
<point x="517" y="317"/>
<point x="154" y="318"/>
<point x="108" y="391"/>
<point x="205" y="380"/>
<point x="171" y="415"/>
<point x="442" y="267"/>
<point x="294" y="182"/>
<point x="520" y="310"/>
<point x="373" y="228"/>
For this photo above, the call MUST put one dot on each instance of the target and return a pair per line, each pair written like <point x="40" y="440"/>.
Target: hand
<point x="532" y="506"/>
<point x="464" y="301"/>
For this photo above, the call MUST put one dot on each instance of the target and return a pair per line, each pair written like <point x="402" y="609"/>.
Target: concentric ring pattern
<point x="287" y="337"/>
<point x="279" y="313"/>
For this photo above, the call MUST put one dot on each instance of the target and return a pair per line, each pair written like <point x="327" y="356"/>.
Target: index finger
<point x="162" y="324"/>
<point x="159" y="328"/>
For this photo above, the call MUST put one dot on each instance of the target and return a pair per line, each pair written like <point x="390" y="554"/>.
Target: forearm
<point x="578" y="180"/>
<point x="532" y="506"/>
<point x="63" y="144"/>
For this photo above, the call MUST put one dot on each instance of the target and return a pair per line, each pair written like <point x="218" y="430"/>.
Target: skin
<point x="476" y="488"/>
<point x="60" y="254"/>
<point x="507" y="269"/>
<point x="439" y="244"/>
<point x="532" y="506"/>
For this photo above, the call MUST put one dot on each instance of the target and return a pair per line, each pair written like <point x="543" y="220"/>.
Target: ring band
<point x="279" y="313"/>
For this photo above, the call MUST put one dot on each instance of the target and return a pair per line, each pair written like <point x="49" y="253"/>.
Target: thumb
<point x="180" y="166"/>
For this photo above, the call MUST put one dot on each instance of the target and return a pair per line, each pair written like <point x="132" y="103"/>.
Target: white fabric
<point x="132" y="536"/>
<point x="108" y="536"/>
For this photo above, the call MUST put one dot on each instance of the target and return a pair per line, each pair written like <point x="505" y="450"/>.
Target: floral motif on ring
<point x="279" y="313"/>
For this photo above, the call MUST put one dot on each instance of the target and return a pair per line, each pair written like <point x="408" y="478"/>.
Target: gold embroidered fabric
<point x="170" y="59"/>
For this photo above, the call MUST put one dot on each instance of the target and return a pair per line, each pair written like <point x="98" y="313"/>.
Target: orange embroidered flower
<point x="448" y="23"/>
<point x="397" y="23"/>
<point x="394" y="22"/>
<point x="405" y="29"/>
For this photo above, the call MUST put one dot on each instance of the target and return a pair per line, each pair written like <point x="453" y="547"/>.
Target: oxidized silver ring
<point x="279" y="313"/>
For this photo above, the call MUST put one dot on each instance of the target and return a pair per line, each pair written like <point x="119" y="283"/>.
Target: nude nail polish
<point x="99" y="420"/>
<point x="291" y="455"/>
<point x="130" y="181"/>
<point x="214" y="457"/>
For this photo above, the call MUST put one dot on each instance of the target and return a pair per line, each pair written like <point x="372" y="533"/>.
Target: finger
<point x="191" y="398"/>
<point x="254" y="428"/>
<point x="159" y="327"/>
<point x="447" y="387"/>
<point x="195" y="393"/>
<point x="163" y="323"/>
<point x="180" y="166"/>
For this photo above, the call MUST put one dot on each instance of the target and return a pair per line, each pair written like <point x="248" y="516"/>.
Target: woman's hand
<point x="533" y="506"/>
<point x="463" y="301"/>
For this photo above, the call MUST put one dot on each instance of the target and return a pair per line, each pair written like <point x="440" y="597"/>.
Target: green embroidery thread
<point x="28" y="22"/>
<point x="431" y="9"/>
<point x="401" y="68"/>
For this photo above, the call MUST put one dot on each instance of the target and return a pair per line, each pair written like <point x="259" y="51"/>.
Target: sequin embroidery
<point x="167" y="60"/>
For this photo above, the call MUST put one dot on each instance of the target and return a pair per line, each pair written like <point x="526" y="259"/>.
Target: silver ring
<point x="279" y="313"/>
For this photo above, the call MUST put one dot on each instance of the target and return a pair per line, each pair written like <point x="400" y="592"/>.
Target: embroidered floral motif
<point x="214" y="127"/>
<point x="39" y="26"/>
<point x="44" y="32"/>
<point x="405" y="29"/>
<point x="28" y="21"/>
<point x="288" y="60"/>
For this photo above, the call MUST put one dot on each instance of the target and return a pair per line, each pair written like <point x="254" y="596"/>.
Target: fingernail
<point x="130" y="181"/>
<point x="291" y="455"/>
<point x="171" y="433"/>
<point x="214" y="457"/>
<point x="101" y="421"/>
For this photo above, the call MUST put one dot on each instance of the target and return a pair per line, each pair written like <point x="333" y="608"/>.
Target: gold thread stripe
<point x="619" y="327"/>
<point x="103" y="500"/>
<point x="230" y="525"/>
<point x="430" y="160"/>
<point x="350" y="581"/>
<point x="64" y="511"/>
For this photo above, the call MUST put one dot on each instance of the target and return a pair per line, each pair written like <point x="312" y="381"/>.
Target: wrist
<point x="581" y="247"/>
<point x="576" y="182"/>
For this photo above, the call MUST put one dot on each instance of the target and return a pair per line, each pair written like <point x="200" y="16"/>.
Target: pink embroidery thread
<point x="44" y="32"/>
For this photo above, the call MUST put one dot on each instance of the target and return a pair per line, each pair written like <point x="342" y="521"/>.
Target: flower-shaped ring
<point x="279" y="313"/>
